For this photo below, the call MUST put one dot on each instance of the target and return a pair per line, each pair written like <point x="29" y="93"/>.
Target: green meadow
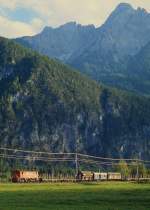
<point x="90" y="196"/>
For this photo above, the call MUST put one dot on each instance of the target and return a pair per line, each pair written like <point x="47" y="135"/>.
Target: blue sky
<point x="21" y="14"/>
<point x="28" y="17"/>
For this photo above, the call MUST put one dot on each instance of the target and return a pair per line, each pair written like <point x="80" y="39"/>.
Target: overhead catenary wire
<point x="103" y="163"/>
<point x="34" y="158"/>
<point x="80" y="156"/>
<point x="112" y="159"/>
<point x="35" y="152"/>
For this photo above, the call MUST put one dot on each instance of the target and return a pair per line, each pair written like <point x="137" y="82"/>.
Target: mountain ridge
<point x="103" y="53"/>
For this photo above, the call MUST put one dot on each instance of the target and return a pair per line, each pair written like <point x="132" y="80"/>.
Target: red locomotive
<point x="25" y="176"/>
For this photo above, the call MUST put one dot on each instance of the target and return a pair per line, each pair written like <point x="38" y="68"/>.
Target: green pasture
<point x="94" y="196"/>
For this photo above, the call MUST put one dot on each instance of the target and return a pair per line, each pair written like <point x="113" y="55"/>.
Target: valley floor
<point x="101" y="196"/>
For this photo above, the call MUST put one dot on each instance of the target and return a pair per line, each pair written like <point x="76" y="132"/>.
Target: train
<point x="25" y="176"/>
<point x="98" y="176"/>
<point x="19" y="176"/>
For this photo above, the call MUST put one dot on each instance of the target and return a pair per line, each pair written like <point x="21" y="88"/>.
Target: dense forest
<point x="45" y="105"/>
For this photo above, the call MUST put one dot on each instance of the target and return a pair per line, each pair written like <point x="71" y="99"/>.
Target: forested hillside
<point x="45" y="105"/>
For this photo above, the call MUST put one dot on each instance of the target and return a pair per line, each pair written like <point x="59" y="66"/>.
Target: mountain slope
<point x="140" y="63"/>
<point x="45" y="105"/>
<point x="102" y="53"/>
<point x="122" y="36"/>
<point x="61" y="42"/>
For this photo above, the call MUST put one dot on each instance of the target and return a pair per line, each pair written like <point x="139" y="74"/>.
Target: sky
<point x="29" y="17"/>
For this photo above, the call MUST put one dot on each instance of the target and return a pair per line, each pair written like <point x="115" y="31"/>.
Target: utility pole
<point x="76" y="161"/>
<point x="76" y="156"/>
<point x="137" y="171"/>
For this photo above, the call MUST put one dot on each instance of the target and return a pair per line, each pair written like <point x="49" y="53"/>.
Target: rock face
<point x="123" y="35"/>
<point x="62" y="42"/>
<point x="102" y="53"/>
<point x="45" y="105"/>
<point x="126" y="30"/>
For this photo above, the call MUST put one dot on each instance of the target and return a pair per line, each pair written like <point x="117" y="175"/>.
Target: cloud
<point x="88" y="11"/>
<point x="12" y="29"/>
<point x="57" y="12"/>
<point x="8" y="4"/>
<point x="36" y="24"/>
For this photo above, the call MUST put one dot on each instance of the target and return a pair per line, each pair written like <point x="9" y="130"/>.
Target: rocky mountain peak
<point x="46" y="29"/>
<point x="124" y="6"/>
<point x="140" y="9"/>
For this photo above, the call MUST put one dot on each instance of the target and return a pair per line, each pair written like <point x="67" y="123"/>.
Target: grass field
<point x="102" y="196"/>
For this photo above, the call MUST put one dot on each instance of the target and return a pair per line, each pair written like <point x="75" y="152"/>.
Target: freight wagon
<point x="113" y="176"/>
<point x="25" y="176"/>
<point x="85" y="176"/>
<point x="100" y="176"/>
<point x="95" y="176"/>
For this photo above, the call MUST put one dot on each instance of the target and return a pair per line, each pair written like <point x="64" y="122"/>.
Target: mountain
<point x="46" y="106"/>
<point x="61" y="42"/>
<point x="121" y="38"/>
<point x="103" y="53"/>
<point x="140" y="63"/>
<point x="140" y="67"/>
